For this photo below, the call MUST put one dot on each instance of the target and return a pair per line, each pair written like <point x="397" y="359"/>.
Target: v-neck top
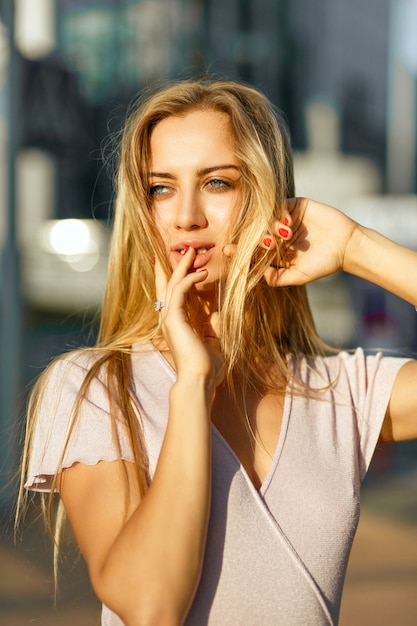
<point x="276" y="556"/>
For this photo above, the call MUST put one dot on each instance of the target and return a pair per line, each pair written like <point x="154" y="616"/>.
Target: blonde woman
<point x="209" y="452"/>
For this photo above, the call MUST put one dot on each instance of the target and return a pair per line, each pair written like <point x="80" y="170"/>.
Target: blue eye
<point x="216" y="183"/>
<point x="158" y="190"/>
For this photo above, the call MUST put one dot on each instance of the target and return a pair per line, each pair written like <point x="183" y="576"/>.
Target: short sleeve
<point x="370" y="379"/>
<point x="91" y="436"/>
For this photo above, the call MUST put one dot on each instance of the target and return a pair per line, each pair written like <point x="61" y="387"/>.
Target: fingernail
<point x="154" y="260"/>
<point x="286" y="221"/>
<point x="186" y="249"/>
<point x="283" y="232"/>
<point x="267" y="242"/>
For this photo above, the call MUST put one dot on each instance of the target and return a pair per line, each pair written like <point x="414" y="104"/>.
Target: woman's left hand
<point x="314" y="239"/>
<point x="319" y="237"/>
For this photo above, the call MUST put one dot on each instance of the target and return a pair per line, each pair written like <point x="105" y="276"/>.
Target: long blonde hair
<point x="258" y="322"/>
<point x="254" y="317"/>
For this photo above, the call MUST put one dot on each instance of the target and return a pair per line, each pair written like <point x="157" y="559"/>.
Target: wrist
<point x="190" y="385"/>
<point x="353" y="255"/>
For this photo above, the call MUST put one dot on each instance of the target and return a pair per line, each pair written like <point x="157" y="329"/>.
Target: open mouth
<point x="202" y="250"/>
<point x="204" y="254"/>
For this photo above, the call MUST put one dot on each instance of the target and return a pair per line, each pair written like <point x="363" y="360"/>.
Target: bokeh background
<point x="345" y="76"/>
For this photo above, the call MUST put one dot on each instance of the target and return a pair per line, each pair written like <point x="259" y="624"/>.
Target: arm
<point x="400" y="423"/>
<point x="379" y="260"/>
<point x="321" y="241"/>
<point x="393" y="267"/>
<point x="145" y="557"/>
<point x="146" y="565"/>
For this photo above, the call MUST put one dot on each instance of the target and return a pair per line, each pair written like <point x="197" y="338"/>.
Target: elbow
<point x="158" y="616"/>
<point x="135" y="605"/>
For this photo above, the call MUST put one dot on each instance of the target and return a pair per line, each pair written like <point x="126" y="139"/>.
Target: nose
<point x="190" y="213"/>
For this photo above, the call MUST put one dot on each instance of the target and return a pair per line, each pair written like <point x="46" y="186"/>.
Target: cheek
<point x="161" y="227"/>
<point x="163" y="242"/>
<point x="226" y="220"/>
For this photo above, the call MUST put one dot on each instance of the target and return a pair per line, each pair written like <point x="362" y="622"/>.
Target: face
<point x="195" y="187"/>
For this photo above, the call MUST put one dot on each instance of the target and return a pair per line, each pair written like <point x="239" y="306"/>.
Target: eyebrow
<point x="202" y="172"/>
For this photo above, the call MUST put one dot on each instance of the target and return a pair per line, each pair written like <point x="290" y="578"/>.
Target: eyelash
<point x="223" y="183"/>
<point x="153" y="190"/>
<point x="218" y="185"/>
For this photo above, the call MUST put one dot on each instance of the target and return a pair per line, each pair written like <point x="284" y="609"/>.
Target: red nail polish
<point x="283" y="232"/>
<point x="186" y="249"/>
<point x="286" y="222"/>
<point x="267" y="242"/>
<point x="154" y="260"/>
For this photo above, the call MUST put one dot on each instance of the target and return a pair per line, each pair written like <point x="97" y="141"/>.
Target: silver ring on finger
<point x="158" y="306"/>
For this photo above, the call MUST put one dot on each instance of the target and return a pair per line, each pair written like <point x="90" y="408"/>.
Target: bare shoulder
<point x="400" y="422"/>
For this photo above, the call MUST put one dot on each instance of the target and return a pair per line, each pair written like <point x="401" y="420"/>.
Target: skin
<point x="195" y="189"/>
<point x="155" y="549"/>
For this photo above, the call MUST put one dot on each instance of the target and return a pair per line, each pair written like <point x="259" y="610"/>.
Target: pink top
<point x="274" y="557"/>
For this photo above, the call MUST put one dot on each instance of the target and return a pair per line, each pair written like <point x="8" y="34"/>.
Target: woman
<point x="207" y="453"/>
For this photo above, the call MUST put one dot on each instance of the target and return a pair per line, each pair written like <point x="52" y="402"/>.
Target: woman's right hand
<point x="140" y="549"/>
<point x="195" y="352"/>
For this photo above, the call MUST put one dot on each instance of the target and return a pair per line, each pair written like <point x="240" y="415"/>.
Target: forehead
<point x="196" y="134"/>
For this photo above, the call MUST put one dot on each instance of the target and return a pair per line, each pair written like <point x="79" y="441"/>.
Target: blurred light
<point x="69" y="237"/>
<point x="406" y="37"/>
<point x="74" y="241"/>
<point x="35" y="191"/>
<point x="35" y="27"/>
<point x="64" y="264"/>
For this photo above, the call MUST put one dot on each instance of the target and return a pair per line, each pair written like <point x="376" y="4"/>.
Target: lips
<point x="204" y="252"/>
<point x="201" y="250"/>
